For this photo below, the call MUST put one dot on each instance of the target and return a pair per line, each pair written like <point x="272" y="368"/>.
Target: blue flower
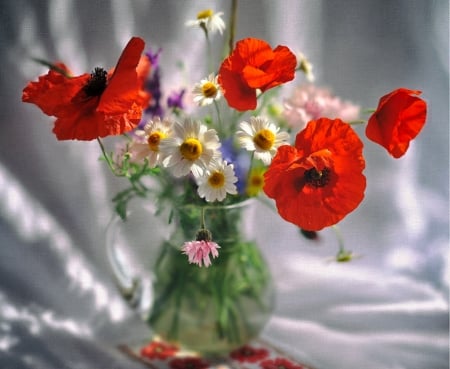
<point x="240" y="161"/>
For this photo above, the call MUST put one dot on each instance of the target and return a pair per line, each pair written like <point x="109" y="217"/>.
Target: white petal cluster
<point x="262" y="137"/>
<point x="191" y="148"/>
<point x="218" y="180"/>
<point x="209" y="20"/>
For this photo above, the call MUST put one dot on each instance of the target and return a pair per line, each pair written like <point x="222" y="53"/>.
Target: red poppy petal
<point x="254" y="51"/>
<point x="332" y="148"/>
<point x="399" y="118"/>
<point x="282" y="67"/>
<point x="123" y="87"/>
<point x="79" y="122"/>
<point x="238" y="95"/>
<point x="280" y="163"/>
<point x="398" y="92"/>
<point x="82" y="122"/>
<point x="256" y="78"/>
<point x="53" y="91"/>
<point x="143" y="69"/>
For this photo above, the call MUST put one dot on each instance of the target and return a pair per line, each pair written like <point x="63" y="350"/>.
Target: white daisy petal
<point x="262" y="137"/>
<point x="208" y="20"/>
<point x="146" y="141"/>
<point x="191" y="149"/>
<point x="207" y="91"/>
<point x="218" y="181"/>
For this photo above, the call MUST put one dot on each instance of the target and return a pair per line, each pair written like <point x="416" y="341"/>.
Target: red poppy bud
<point x="399" y="118"/>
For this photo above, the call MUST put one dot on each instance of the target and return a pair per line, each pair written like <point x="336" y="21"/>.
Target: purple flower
<point x="153" y="57"/>
<point x="175" y="100"/>
<point x="153" y="85"/>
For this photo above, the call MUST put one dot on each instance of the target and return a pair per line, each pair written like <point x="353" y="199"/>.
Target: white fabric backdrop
<point x="58" y="305"/>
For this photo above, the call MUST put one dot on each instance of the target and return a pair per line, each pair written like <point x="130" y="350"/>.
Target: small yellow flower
<point x="255" y="181"/>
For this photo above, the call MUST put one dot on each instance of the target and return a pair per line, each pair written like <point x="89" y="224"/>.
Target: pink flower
<point x="310" y="102"/>
<point x="198" y="252"/>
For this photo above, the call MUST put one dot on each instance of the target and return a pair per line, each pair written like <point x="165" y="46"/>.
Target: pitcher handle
<point x="134" y="290"/>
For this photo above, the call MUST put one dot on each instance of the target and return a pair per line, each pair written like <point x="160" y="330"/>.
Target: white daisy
<point x="207" y="91"/>
<point x="209" y="21"/>
<point x="218" y="180"/>
<point x="146" y="141"/>
<point x="191" y="148"/>
<point x="262" y="137"/>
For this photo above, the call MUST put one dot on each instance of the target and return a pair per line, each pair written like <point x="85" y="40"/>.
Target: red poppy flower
<point x="399" y="118"/>
<point x="254" y="65"/>
<point x="159" y="350"/>
<point x="280" y="363"/>
<point x="93" y="105"/>
<point x="188" y="363"/>
<point x="249" y="354"/>
<point x="319" y="181"/>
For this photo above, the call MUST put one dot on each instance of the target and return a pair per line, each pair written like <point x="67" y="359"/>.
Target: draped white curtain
<point x="388" y="309"/>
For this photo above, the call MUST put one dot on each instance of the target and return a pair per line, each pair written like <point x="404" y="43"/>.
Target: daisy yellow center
<point x="216" y="180"/>
<point x="264" y="139"/>
<point x="207" y="13"/>
<point x="191" y="149"/>
<point x="209" y="89"/>
<point x="154" y="140"/>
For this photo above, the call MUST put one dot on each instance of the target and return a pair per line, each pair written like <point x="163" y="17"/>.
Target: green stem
<point x="52" y="67"/>
<point x="250" y="167"/>
<point x="209" y="51"/>
<point x="339" y="237"/>
<point x="357" y="122"/>
<point x="219" y="119"/>
<point x="233" y="17"/>
<point x="343" y="255"/>
<point x="106" y="156"/>
<point x="202" y="219"/>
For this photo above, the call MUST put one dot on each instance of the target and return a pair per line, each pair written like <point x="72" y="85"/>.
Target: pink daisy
<point x="198" y="252"/>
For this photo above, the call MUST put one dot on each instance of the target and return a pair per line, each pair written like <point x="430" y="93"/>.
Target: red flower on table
<point x="279" y="363"/>
<point x="188" y="363"/>
<point x="94" y="105"/>
<point x="249" y="354"/>
<point x="399" y="118"/>
<point x="254" y="65"/>
<point x="159" y="350"/>
<point x="317" y="182"/>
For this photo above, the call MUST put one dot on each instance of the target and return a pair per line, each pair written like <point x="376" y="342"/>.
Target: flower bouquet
<point x="208" y="151"/>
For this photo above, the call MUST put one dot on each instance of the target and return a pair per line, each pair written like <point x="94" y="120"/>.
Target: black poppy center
<point x="97" y="82"/>
<point x="317" y="178"/>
